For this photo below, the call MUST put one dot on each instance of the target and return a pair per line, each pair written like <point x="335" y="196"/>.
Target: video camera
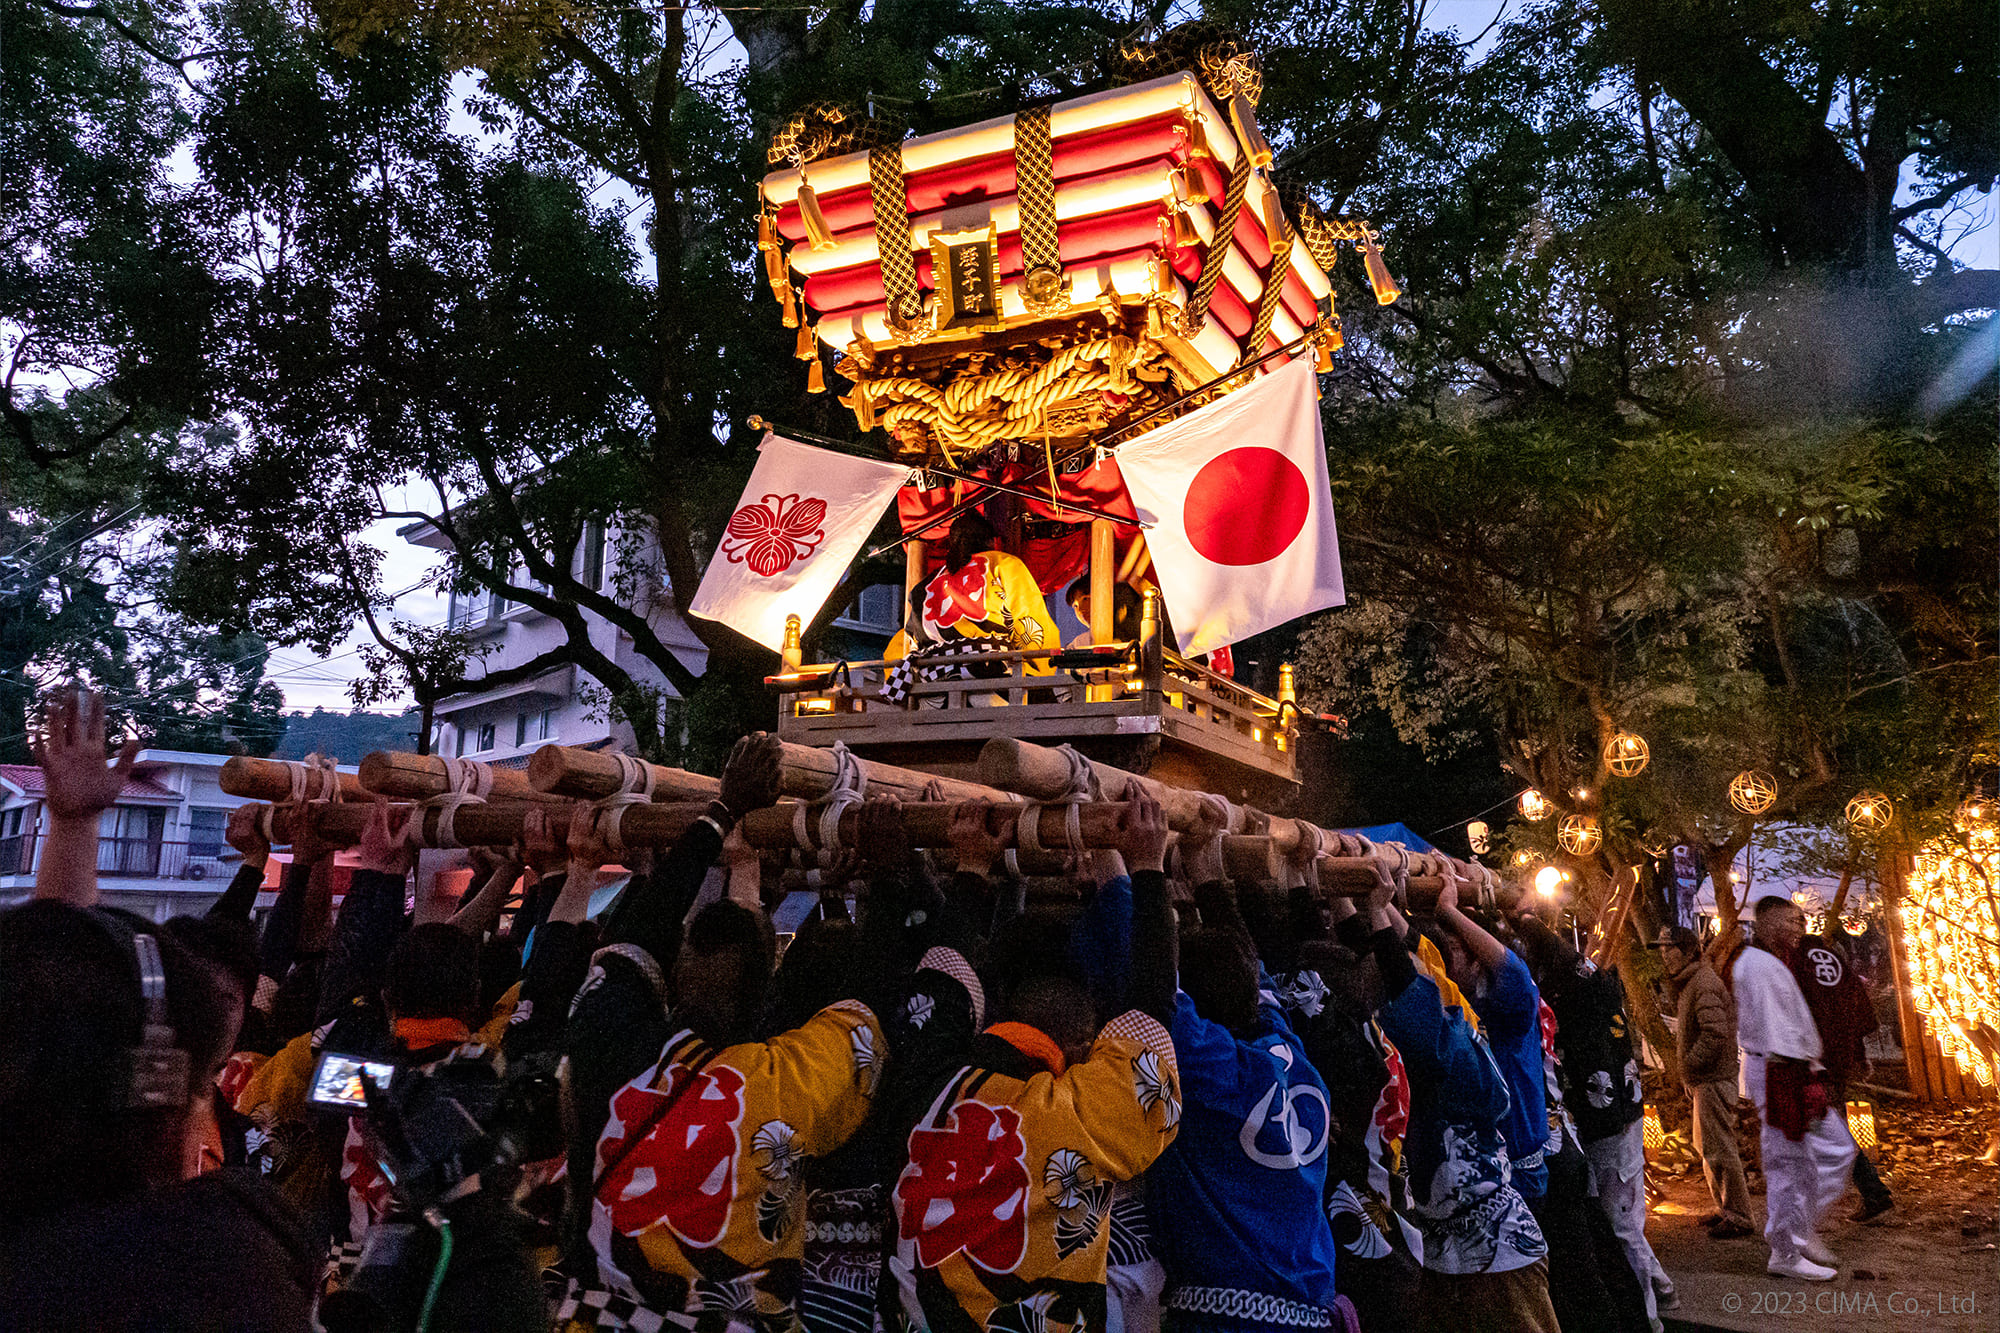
<point x="450" y="1138"/>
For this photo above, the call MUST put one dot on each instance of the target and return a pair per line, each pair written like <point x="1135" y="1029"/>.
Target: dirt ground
<point x="1929" y="1264"/>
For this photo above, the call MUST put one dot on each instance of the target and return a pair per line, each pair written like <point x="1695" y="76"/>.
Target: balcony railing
<point x="130" y="858"/>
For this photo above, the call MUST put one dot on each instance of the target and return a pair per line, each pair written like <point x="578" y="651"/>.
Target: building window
<point x="521" y="728"/>
<point x="590" y="562"/>
<point x="459" y="741"/>
<point x="205" y="832"/>
<point x="548" y="724"/>
<point x="486" y="737"/>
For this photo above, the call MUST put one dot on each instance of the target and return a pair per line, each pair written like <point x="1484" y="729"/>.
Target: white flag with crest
<point x="801" y="521"/>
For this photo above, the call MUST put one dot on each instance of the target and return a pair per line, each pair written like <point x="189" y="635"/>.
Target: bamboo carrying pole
<point x="416" y="777"/>
<point x="566" y="770"/>
<point x="273" y="780"/>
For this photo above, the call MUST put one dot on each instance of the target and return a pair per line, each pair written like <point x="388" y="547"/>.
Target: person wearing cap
<point x="1705" y="1040"/>
<point x="1807" y="1153"/>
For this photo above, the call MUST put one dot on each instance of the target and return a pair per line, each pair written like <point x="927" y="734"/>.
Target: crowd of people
<point x="940" y="1106"/>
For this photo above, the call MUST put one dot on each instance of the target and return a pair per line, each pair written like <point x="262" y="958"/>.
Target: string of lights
<point x="1955" y="966"/>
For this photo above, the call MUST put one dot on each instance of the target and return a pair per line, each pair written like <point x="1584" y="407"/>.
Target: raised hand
<point x="245" y="832"/>
<point x="587" y="847"/>
<point x="389" y="850"/>
<point x="879" y="834"/>
<point x="975" y="841"/>
<point x="1142" y="834"/>
<point x="71" y="753"/>
<point x="750" y="776"/>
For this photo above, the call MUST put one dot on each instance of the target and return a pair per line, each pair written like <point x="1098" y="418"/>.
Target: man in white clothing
<point x="1807" y="1153"/>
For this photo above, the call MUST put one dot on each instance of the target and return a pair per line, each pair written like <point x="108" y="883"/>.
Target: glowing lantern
<point x="1753" y="791"/>
<point x="1525" y="857"/>
<point x="1861" y="1123"/>
<point x="1579" y="835"/>
<point x="1626" y="754"/>
<point x="1535" y="807"/>
<point x="1656" y="1134"/>
<point x="1548" y="881"/>
<point x="1977" y="814"/>
<point x="1869" y="813"/>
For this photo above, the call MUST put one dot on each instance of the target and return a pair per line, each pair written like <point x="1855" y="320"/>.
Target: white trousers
<point x="1801" y="1180"/>
<point x="1618" y="1165"/>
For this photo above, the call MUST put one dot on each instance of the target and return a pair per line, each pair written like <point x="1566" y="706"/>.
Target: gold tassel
<point x="1185" y="236"/>
<point x="775" y="268"/>
<point x="767" y="231"/>
<point x="1197" y="136"/>
<point x="1276" y="229"/>
<point x="1163" y="275"/>
<point x="1386" y="290"/>
<point x="862" y="404"/>
<point x="817" y="231"/>
<point x="807" y="348"/>
<point x="1244" y="117"/>
<point x="816" y="377"/>
<point x="1325" y="349"/>
<point x="791" y="315"/>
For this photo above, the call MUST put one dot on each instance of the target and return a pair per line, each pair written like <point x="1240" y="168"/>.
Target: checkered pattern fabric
<point x="580" y="1307"/>
<point x="1218" y="245"/>
<point x="927" y="665"/>
<point x="892" y="234"/>
<point x="1035" y="187"/>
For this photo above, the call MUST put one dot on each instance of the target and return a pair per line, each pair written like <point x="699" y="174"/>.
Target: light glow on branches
<point x="1951" y="931"/>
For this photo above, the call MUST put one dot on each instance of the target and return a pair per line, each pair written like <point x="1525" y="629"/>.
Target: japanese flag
<point x="802" y="519"/>
<point x="1242" y="535"/>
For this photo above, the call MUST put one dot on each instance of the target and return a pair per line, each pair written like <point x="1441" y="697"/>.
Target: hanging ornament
<point x="1535" y="807"/>
<point x="1870" y="813"/>
<point x="1626" y="755"/>
<point x="1579" y="835"/>
<point x="1753" y="791"/>
<point x="1977" y="814"/>
<point x="1526" y="857"/>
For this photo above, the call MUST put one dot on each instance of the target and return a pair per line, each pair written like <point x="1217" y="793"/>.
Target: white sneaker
<point x="1802" y="1268"/>
<point x="1815" y="1250"/>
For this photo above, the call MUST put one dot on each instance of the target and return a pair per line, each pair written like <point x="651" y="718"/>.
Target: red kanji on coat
<point x="683" y="1173"/>
<point x="966" y="1188"/>
<point x="952" y="597"/>
<point x="1392" y="1108"/>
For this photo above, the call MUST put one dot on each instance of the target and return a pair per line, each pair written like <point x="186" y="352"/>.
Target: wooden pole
<point x="1103" y="554"/>
<point x="271" y="780"/>
<point x="591" y="775"/>
<point x="1041" y="773"/>
<point x="913" y="574"/>
<point x="417" y="777"/>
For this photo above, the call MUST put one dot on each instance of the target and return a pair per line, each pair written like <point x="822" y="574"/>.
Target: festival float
<point x="1096" y="324"/>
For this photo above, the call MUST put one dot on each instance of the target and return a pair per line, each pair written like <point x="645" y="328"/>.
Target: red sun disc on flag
<point x="1246" y="506"/>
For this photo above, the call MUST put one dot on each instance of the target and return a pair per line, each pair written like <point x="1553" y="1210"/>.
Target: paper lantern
<point x="1861" y="1123"/>
<point x="1753" y="791"/>
<point x="1579" y="835"/>
<point x="1535" y="807"/>
<point x="1655" y="1133"/>
<point x="1870" y="813"/>
<point x="1526" y="857"/>
<point x="1626" y="754"/>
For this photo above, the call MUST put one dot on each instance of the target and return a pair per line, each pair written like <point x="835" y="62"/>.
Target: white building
<point x="160" y="850"/>
<point x="507" y="724"/>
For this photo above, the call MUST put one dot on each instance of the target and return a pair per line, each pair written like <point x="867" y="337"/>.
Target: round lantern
<point x="1535" y="807"/>
<point x="1870" y="812"/>
<point x="1977" y="814"/>
<point x="1626" y="754"/>
<point x="1753" y="791"/>
<point x="1579" y="835"/>
<point x="1526" y="857"/>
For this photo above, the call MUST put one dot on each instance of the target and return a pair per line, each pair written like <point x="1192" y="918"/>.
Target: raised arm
<point x="245" y="833"/>
<point x="1490" y="953"/>
<point x="481" y="912"/>
<point x="1142" y="837"/>
<point x="650" y="914"/>
<point x="80" y="788"/>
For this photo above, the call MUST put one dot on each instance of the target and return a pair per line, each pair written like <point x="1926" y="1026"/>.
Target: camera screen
<point x="337" y="1081"/>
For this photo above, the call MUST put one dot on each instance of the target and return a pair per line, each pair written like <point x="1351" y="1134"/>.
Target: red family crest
<point x="1392" y="1108"/>
<point x="774" y="534"/>
<point x="957" y="595"/>
<point x="966" y="1188"/>
<point x="684" y="1171"/>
